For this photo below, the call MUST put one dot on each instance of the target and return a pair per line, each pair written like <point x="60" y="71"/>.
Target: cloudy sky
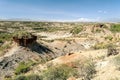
<point x="63" y="10"/>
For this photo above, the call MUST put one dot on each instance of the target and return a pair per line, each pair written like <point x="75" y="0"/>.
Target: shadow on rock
<point x="41" y="49"/>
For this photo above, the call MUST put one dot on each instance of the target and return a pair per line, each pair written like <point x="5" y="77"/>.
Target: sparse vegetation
<point x="74" y="38"/>
<point x="115" y="28"/>
<point x="20" y="77"/>
<point x="20" y="34"/>
<point x="5" y="37"/>
<point x="49" y="29"/>
<point x="112" y="50"/>
<point x="100" y="46"/>
<point x="26" y="77"/>
<point x="86" y="69"/>
<point x="109" y="38"/>
<point x="76" y="30"/>
<point x="116" y="61"/>
<point x="34" y="77"/>
<point x="4" y="48"/>
<point x="61" y="72"/>
<point x="23" y="67"/>
<point x="98" y="30"/>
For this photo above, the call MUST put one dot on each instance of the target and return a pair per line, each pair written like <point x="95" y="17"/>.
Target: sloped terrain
<point x="83" y="47"/>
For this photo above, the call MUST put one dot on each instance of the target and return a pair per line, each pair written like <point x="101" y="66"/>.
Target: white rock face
<point x="88" y="44"/>
<point x="55" y="35"/>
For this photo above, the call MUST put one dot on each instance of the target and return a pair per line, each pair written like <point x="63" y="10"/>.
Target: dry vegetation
<point x="73" y="51"/>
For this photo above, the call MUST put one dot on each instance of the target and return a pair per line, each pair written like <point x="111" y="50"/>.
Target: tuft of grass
<point x="23" y="67"/>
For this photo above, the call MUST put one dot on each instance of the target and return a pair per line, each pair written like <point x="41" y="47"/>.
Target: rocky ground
<point x="62" y="46"/>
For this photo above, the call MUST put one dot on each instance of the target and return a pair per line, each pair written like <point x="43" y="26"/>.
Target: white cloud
<point x="101" y="11"/>
<point x="80" y="20"/>
<point x="88" y="19"/>
<point x="85" y="19"/>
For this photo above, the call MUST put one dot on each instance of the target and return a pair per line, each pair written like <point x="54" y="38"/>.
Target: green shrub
<point x="76" y="30"/>
<point x="115" y="28"/>
<point x="86" y="69"/>
<point x="23" y="67"/>
<point x="58" y="73"/>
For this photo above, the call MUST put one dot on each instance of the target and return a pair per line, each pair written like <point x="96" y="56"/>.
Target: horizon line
<point x="53" y="20"/>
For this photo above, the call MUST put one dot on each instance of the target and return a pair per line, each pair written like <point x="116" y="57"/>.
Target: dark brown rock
<point x="24" y="40"/>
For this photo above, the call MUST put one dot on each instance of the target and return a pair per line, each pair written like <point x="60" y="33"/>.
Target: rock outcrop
<point x="25" y="40"/>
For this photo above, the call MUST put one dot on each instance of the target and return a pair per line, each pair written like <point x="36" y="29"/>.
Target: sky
<point x="61" y="10"/>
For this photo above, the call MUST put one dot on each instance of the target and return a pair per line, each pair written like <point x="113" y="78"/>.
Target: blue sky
<point x="88" y="10"/>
